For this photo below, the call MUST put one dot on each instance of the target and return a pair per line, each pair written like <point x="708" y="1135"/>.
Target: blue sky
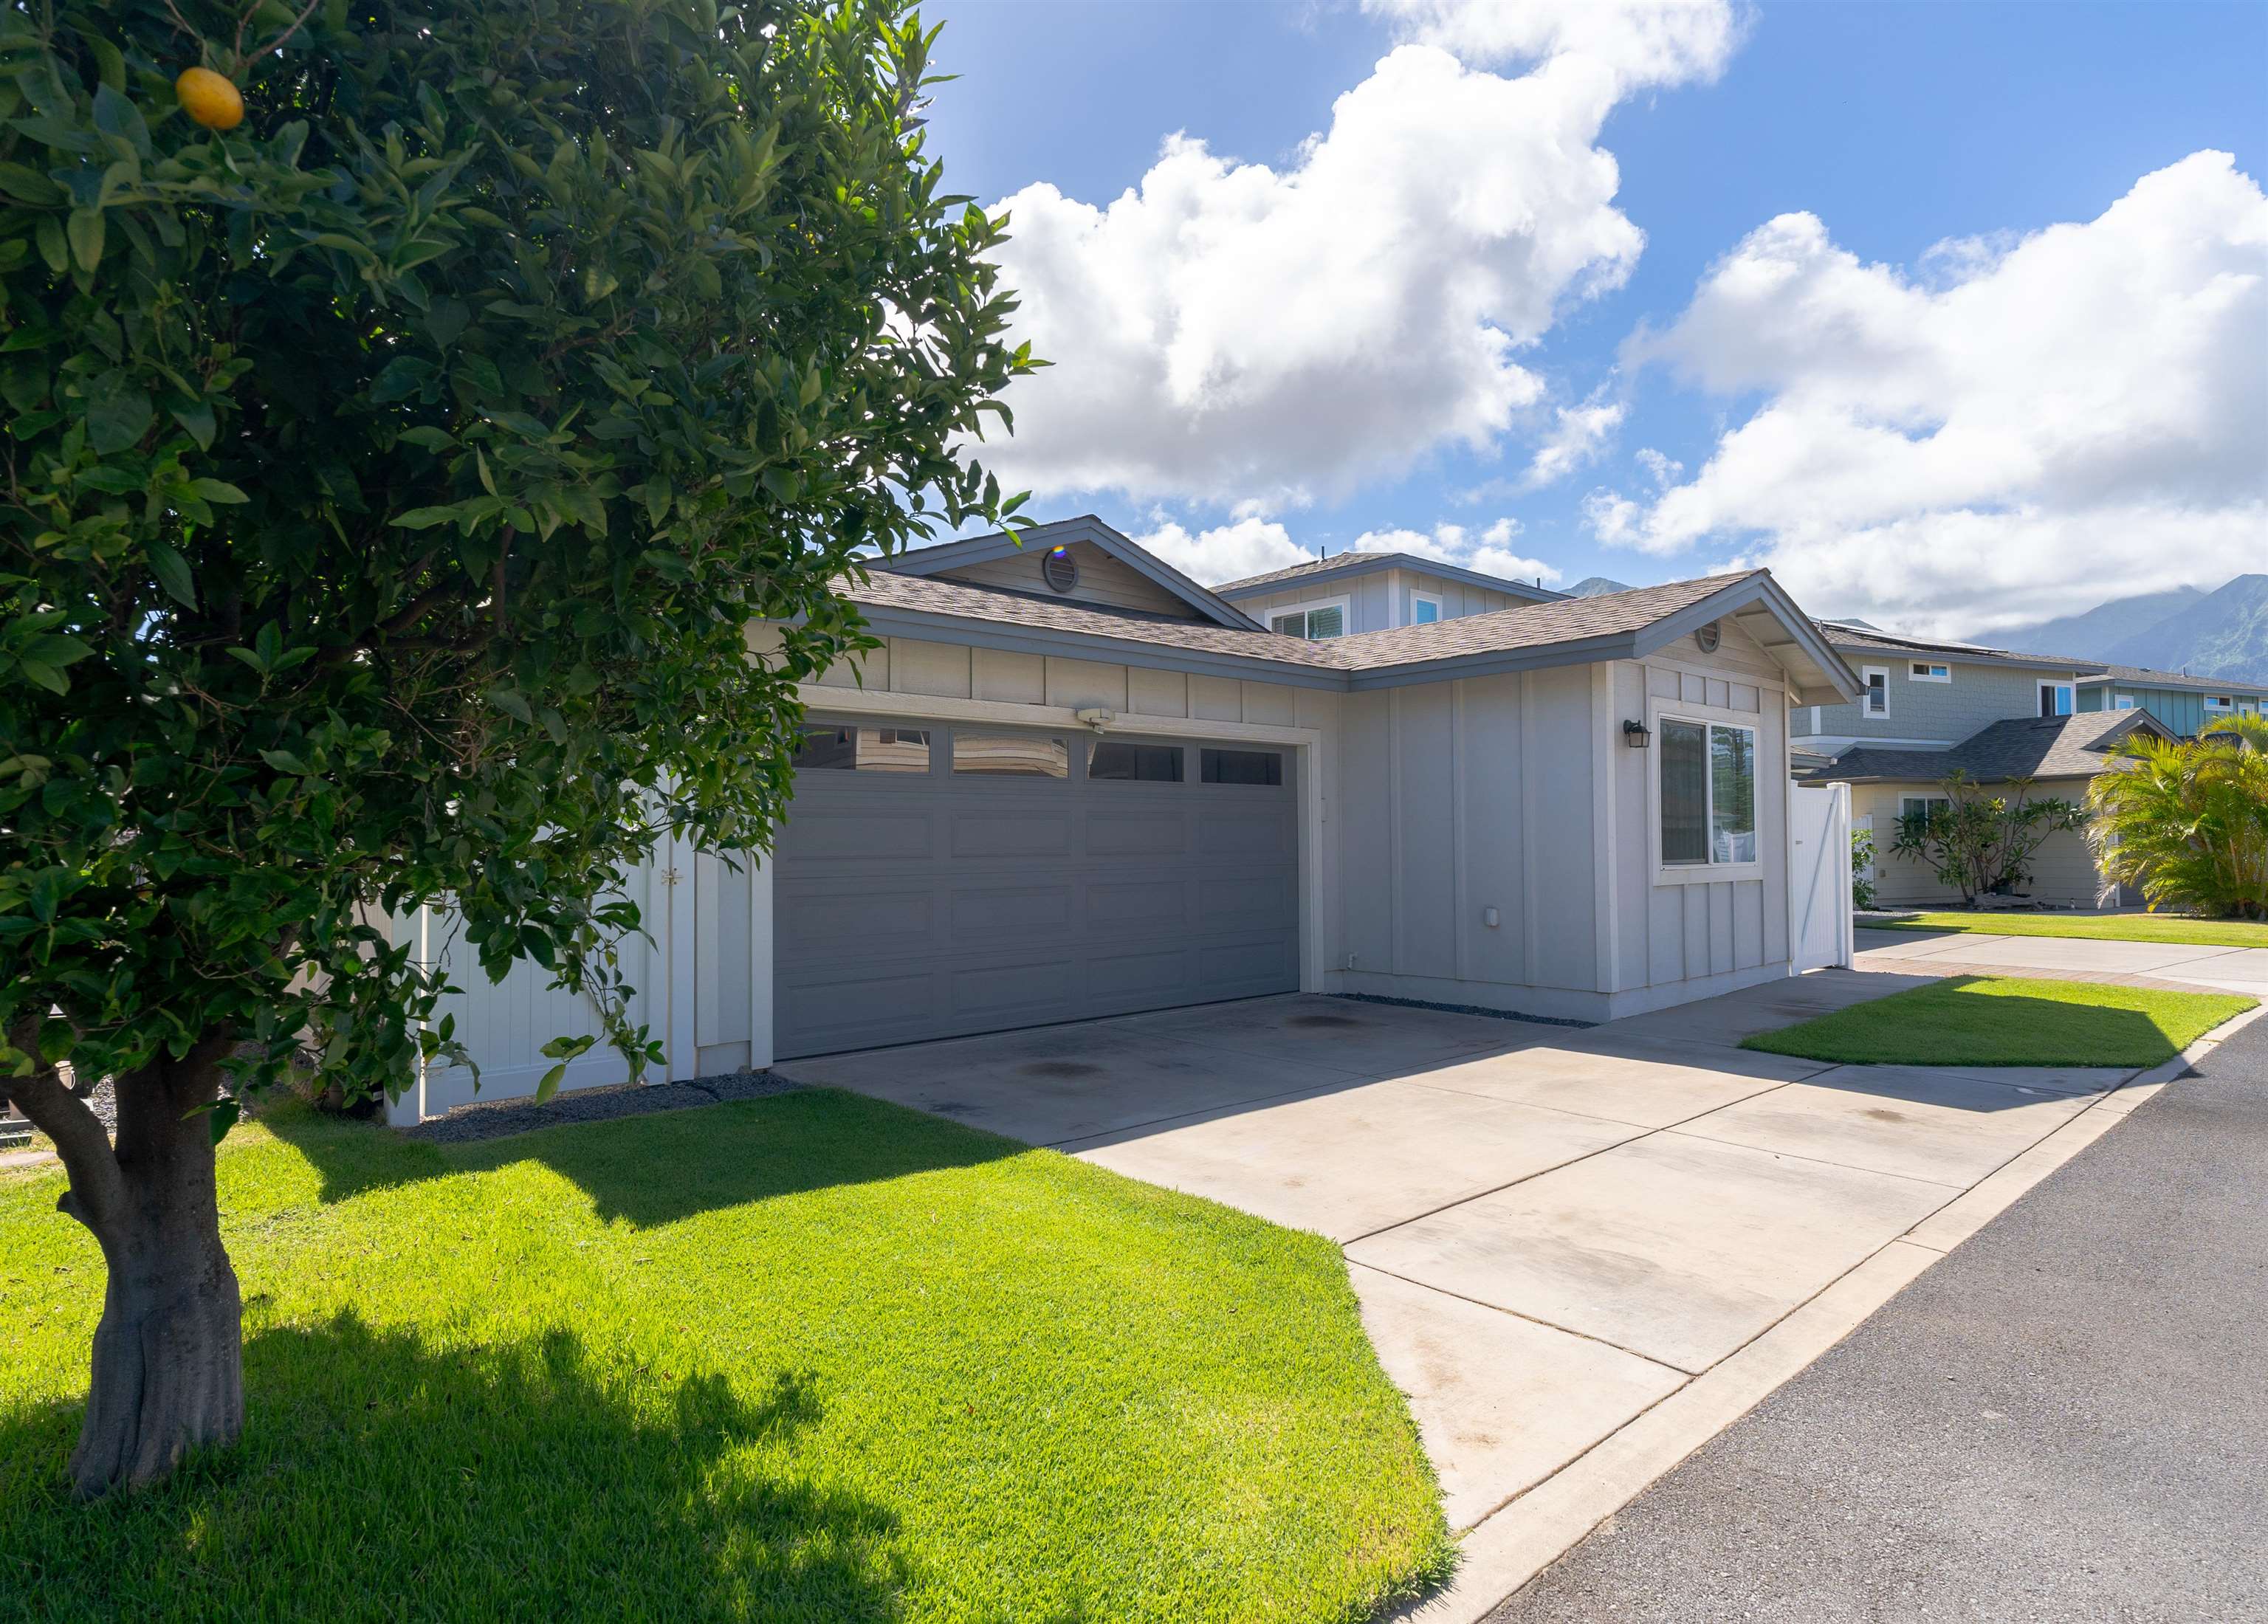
<point x="1895" y="127"/>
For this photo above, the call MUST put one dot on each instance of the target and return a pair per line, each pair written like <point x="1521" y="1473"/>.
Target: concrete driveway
<point x="1551" y="1231"/>
<point x="1955" y="952"/>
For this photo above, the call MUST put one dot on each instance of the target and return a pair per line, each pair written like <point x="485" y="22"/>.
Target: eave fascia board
<point x="1495" y="662"/>
<point x="1803" y="634"/>
<point x="1086" y="527"/>
<point x="1008" y="637"/>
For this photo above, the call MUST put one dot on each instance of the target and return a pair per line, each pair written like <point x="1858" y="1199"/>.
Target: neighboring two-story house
<point x="1930" y="708"/>
<point x="2184" y="703"/>
<point x="1357" y="593"/>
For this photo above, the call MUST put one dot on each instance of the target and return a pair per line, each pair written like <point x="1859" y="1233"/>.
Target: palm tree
<point x="2188" y="823"/>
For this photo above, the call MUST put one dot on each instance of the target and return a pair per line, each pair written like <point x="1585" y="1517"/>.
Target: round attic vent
<point x="1708" y="636"/>
<point x="1059" y="569"/>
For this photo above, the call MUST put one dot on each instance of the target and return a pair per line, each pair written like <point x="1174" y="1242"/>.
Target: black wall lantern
<point x="1635" y="736"/>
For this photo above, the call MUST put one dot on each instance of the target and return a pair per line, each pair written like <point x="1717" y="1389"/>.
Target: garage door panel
<point x="817" y="831"/>
<point x="1244" y="902"/>
<point x="1137" y="834"/>
<point x="1138" y="906"/>
<point x="1006" y="834"/>
<point x="954" y="903"/>
<point x="823" y="921"/>
<point x="978" y="914"/>
<point x="1242" y="832"/>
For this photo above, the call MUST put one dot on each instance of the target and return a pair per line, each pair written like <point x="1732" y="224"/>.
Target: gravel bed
<point x="498" y="1118"/>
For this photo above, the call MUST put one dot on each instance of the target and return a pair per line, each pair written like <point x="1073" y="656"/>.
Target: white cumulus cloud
<point x="1643" y="41"/>
<point x="1227" y="332"/>
<point x="1250" y="546"/>
<point x="1488" y="549"/>
<point x="1577" y="436"/>
<point x="2030" y="427"/>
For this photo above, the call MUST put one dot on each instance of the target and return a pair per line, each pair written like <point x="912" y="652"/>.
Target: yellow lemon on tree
<point x="209" y="99"/>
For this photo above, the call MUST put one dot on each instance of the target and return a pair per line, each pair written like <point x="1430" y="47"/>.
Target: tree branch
<point x="97" y="1187"/>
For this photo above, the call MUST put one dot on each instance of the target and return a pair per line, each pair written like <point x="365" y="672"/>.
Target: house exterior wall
<point x="1457" y="598"/>
<point x="1941" y="713"/>
<point x="1102" y="579"/>
<point x="2063" y="873"/>
<point x="1517" y="793"/>
<point x="2182" y="710"/>
<point x="1380" y="599"/>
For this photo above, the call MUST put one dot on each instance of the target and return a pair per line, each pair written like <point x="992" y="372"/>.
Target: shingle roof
<point x="1295" y="572"/>
<point x="1527" y="626"/>
<point x="2072" y="746"/>
<point x="1849" y="640"/>
<point x="2143" y="677"/>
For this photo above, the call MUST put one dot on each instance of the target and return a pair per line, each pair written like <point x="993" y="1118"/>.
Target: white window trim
<point x="2224" y="703"/>
<point x="1867" y="674"/>
<point x="1934" y="671"/>
<point x="2047" y="683"/>
<point x="1661" y="710"/>
<point x="2122" y="701"/>
<point x="1441" y="609"/>
<point x="1343" y="605"/>
<point x="1906" y="802"/>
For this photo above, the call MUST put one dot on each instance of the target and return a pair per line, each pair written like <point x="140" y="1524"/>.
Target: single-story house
<point x="2058" y="755"/>
<point x="1072" y="783"/>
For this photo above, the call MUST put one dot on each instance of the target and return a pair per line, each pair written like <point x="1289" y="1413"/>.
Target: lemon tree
<point x="391" y="465"/>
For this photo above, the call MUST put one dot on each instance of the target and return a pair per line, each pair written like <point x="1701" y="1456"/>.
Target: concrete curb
<point x="1513" y="1544"/>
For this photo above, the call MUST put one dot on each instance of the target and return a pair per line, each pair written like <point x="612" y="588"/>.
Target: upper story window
<point x="1314" y="621"/>
<point x="1928" y="671"/>
<point x="2125" y="702"/>
<point x="2055" y="699"/>
<point x="1425" y="608"/>
<point x="1877" y="700"/>
<point x="1708" y="793"/>
<point x="2221" y="701"/>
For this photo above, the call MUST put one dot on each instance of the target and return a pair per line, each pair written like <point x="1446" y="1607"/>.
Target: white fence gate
<point x="1819" y="876"/>
<point x="703" y="970"/>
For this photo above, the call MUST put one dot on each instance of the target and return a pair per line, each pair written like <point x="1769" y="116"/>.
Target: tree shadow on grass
<point x="381" y="1477"/>
<point x="655" y="1170"/>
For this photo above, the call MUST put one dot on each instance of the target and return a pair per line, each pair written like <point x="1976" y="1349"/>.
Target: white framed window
<point x="2055" y="699"/>
<point x="2122" y="701"/>
<point x="2221" y="701"/>
<point x="1875" y="702"/>
<point x="1425" y="608"/>
<point x="1909" y="805"/>
<point x="1928" y="671"/>
<point x="1705" y="795"/>
<point x="1326" y="617"/>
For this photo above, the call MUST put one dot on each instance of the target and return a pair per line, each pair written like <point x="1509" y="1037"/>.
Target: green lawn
<point x="812" y="1357"/>
<point x="2009" y="1021"/>
<point x="2170" y="928"/>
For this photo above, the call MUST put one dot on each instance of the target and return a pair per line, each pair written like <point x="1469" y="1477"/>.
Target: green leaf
<point x="197" y="418"/>
<point x="172" y="572"/>
<point x="223" y="1117"/>
<point x="218" y="490"/>
<point x="426" y="519"/>
<point x="549" y="1084"/>
<point x="47" y="676"/>
<point x="511" y="702"/>
<point x="118" y="412"/>
<point x="85" y="231"/>
<point x="284" y="762"/>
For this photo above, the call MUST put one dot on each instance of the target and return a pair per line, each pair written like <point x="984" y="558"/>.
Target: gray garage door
<point x="932" y="882"/>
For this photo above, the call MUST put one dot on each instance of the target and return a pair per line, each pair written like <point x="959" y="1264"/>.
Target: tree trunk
<point x="167" y="1374"/>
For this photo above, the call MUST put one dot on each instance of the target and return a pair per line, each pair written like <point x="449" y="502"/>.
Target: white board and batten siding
<point x="1515" y="797"/>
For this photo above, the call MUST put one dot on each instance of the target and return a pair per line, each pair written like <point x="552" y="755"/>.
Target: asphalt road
<point x="2066" y="1419"/>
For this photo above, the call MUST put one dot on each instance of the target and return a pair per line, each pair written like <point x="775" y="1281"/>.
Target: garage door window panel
<point x="1009" y="755"/>
<point x="1115" y="761"/>
<point x="825" y="748"/>
<point x="1258" y="768"/>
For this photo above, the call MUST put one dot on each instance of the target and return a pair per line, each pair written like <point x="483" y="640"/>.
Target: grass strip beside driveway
<point x="2172" y="928"/>
<point x="814" y="1357"/>
<point x="1968" y="1021"/>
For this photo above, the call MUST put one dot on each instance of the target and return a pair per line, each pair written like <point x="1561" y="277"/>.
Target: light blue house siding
<point x="2182" y="710"/>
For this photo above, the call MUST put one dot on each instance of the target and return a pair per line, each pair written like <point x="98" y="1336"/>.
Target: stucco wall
<point x="2064" y="874"/>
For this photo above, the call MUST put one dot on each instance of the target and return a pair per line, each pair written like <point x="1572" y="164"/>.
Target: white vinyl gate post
<point x="679" y="874"/>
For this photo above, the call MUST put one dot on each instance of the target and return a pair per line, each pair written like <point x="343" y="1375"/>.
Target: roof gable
<point x="1345" y="566"/>
<point x="966" y="561"/>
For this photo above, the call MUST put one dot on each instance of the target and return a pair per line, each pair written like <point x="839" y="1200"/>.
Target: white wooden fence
<point x="1819" y="876"/>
